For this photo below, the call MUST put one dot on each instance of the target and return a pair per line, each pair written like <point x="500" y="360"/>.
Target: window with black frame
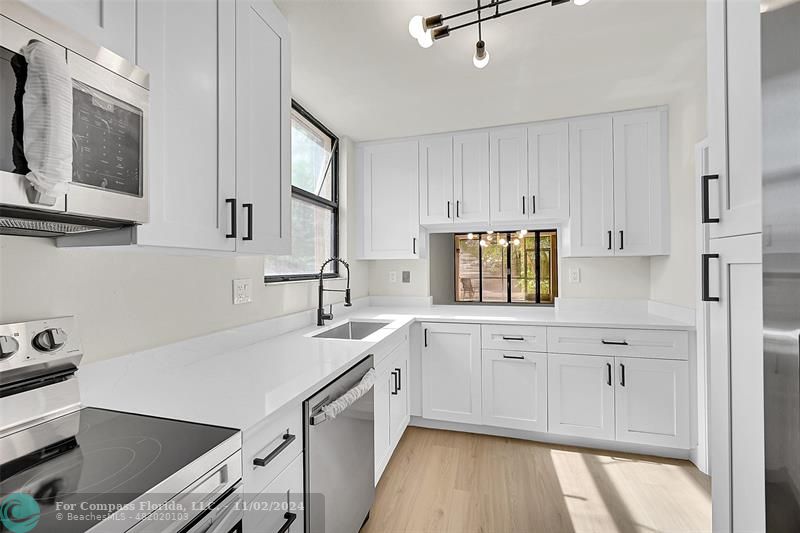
<point x="315" y="202"/>
<point x="515" y="267"/>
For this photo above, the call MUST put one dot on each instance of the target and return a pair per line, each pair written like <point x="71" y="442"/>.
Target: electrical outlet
<point x="406" y="276"/>
<point x="242" y="291"/>
<point x="574" y="275"/>
<point x="392" y="277"/>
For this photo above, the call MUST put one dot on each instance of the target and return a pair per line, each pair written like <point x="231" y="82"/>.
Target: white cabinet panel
<point x="471" y="177"/>
<point x="656" y="344"/>
<point x="548" y="171"/>
<point x="451" y="372"/>
<point x="508" y="174"/>
<point x="400" y="406"/>
<point x="580" y="395"/>
<point x="389" y="174"/>
<point x="436" y="204"/>
<point x="384" y="383"/>
<point x="108" y="23"/>
<point x="281" y="503"/>
<point x="514" y="337"/>
<point x="392" y="403"/>
<point x="641" y="192"/>
<point x="263" y="103"/>
<point x="515" y="390"/>
<point x="188" y="183"/>
<point x="591" y="187"/>
<point x="652" y="402"/>
<point x="737" y="392"/>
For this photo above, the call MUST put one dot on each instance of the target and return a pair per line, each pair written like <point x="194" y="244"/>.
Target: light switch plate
<point x="393" y="277"/>
<point x="242" y="291"/>
<point x="574" y="275"/>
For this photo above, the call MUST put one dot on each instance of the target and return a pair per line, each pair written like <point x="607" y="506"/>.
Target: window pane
<point x="467" y="262"/>
<point x="311" y="158"/>
<point x="495" y="264"/>
<point x="523" y="268"/>
<point x="312" y="241"/>
<point x="548" y="261"/>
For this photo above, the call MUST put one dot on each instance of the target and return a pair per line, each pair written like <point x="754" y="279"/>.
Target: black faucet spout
<point x="322" y="316"/>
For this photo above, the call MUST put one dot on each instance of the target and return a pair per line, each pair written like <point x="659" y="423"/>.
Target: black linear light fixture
<point x="426" y="30"/>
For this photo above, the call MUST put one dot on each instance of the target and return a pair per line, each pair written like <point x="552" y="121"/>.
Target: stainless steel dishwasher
<point x="339" y="452"/>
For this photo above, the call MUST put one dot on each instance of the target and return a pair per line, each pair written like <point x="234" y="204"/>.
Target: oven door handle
<point x="221" y="518"/>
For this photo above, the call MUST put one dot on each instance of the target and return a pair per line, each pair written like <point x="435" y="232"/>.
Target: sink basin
<point x="353" y="330"/>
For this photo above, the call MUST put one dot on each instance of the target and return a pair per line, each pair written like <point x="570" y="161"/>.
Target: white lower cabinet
<point x="515" y="390"/>
<point x="580" y="396"/>
<point x="451" y="372"/>
<point x="652" y="401"/>
<point x="281" y="504"/>
<point x="392" y="403"/>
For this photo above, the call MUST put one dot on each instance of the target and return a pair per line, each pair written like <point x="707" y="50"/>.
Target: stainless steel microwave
<point x="109" y="187"/>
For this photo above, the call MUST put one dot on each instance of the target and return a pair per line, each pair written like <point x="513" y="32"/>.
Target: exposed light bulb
<point x="483" y="243"/>
<point x="581" y="2"/>
<point x="426" y="39"/>
<point x="416" y="27"/>
<point x="523" y="232"/>
<point x="481" y="57"/>
<point x="470" y="236"/>
<point x="490" y="231"/>
<point x="516" y="242"/>
<point x="503" y="242"/>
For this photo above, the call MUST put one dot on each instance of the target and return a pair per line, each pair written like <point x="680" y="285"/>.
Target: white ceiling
<point x="355" y="66"/>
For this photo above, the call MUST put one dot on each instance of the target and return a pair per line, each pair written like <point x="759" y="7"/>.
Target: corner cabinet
<point x="388" y="176"/>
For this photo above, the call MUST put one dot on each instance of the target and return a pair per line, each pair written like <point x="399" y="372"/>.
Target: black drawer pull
<point x="533" y="204"/>
<point x="414" y="245"/>
<point x="290" y="518"/>
<point x="523" y="205"/>
<point x="288" y="438"/>
<point x="707" y="219"/>
<point x="425" y="334"/>
<point x="622" y="374"/>
<point x="508" y="338"/>
<point x="458" y="208"/>
<point x="448" y="208"/>
<point x="608" y="367"/>
<point x="609" y="239"/>
<point x="249" y="208"/>
<point x="232" y="203"/>
<point x="614" y="343"/>
<point x="706" y="292"/>
<point x="621" y="240"/>
<point x="507" y="356"/>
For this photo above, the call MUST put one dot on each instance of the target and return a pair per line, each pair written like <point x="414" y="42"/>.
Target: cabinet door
<point x="652" y="401"/>
<point x="384" y="385"/>
<point x="641" y="192"/>
<point x="591" y="187"/>
<point x="187" y="182"/>
<point x="548" y="171"/>
<point x="734" y="115"/>
<point x="263" y="103"/>
<point x="515" y="390"/>
<point x="508" y="175"/>
<point x="280" y="503"/>
<point x="389" y="174"/>
<point x="580" y="395"/>
<point x="471" y="177"/>
<point x="451" y="372"/>
<point x="737" y="394"/>
<point x="399" y="407"/>
<point x="436" y="204"/>
<point x="108" y="23"/>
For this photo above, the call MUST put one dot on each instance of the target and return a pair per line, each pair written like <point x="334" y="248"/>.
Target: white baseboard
<point x="550" y="438"/>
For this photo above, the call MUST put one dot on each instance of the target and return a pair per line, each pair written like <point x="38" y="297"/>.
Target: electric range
<point x="71" y="469"/>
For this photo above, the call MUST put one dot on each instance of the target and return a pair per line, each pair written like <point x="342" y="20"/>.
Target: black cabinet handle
<point x="706" y="296"/>
<point x="414" y="245"/>
<point x="533" y="204"/>
<point x="394" y="383"/>
<point x="448" y="208"/>
<point x="614" y="343"/>
<point x="425" y="335"/>
<point x="608" y="368"/>
<point x="621" y="239"/>
<point x="523" y="205"/>
<point x="288" y="438"/>
<point x="507" y="356"/>
<point x="609" y="239"/>
<point x="290" y="518"/>
<point x="507" y="338"/>
<point x="458" y="208"/>
<point x="249" y="208"/>
<point x="622" y="374"/>
<point x="399" y="379"/>
<point x="707" y="219"/>
<point x="232" y="203"/>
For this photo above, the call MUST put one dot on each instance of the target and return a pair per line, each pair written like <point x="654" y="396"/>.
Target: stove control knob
<point x="50" y="340"/>
<point x="8" y="347"/>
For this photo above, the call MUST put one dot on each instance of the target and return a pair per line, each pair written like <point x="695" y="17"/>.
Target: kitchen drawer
<point x="659" y="344"/>
<point x="275" y="444"/>
<point x="280" y="505"/>
<point x="518" y="338"/>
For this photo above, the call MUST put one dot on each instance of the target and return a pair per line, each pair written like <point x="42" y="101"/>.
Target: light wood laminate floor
<point x="445" y="481"/>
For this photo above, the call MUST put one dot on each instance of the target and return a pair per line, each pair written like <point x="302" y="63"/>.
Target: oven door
<point x="109" y="139"/>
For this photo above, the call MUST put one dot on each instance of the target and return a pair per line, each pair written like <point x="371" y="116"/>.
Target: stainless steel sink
<point x="353" y="330"/>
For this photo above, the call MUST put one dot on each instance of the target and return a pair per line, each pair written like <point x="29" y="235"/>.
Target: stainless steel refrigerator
<point x="780" y="60"/>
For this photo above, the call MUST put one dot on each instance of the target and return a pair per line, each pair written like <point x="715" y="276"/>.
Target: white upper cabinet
<point x="263" y="153"/>
<point x="591" y="186"/>
<point x="189" y="180"/>
<point x="436" y="205"/>
<point x="641" y="192"/>
<point x="471" y="177"/>
<point x="548" y="171"/>
<point x="734" y="116"/>
<point x="108" y="23"/>
<point x="388" y="176"/>
<point x="508" y="174"/>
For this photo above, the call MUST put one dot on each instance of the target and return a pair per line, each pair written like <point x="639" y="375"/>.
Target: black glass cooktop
<point x="97" y="459"/>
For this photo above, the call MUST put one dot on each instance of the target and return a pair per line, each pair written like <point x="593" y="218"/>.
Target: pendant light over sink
<point x="426" y="30"/>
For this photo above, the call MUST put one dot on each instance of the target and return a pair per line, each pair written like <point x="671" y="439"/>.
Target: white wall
<point x="132" y="299"/>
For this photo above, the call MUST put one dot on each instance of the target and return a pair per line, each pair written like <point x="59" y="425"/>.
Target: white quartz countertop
<point x="218" y="380"/>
